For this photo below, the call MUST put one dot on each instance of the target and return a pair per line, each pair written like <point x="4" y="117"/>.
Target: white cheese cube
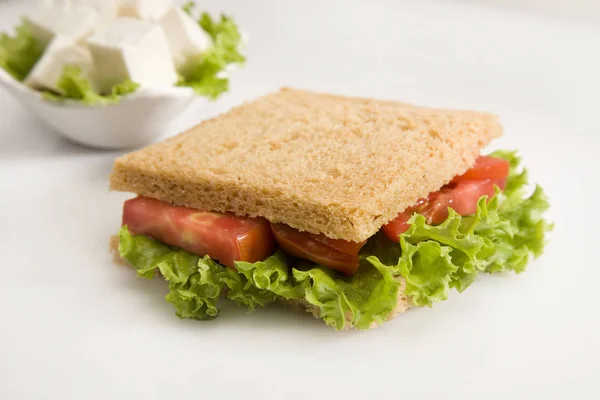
<point x="108" y="10"/>
<point x="186" y="38"/>
<point x="150" y="10"/>
<point x="132" y="49"/>
<point x="61" y="51"/>
<point x="75" y="21"/>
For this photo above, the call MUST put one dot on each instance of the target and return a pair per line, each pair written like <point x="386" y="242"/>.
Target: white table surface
<point x="74" y="326"/>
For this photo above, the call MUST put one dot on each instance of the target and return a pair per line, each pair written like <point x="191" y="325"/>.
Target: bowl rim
<point x="142" y="93"/>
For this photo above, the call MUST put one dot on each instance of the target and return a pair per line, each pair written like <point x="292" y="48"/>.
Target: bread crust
<point x="341" y="166"/>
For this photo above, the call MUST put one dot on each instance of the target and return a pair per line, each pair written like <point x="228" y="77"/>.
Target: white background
<point x="74" y="326"/>
<point x="571" y="10"/>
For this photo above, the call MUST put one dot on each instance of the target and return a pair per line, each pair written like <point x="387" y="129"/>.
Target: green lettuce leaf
<point x="242" y="291"/>
<point x="428" y="269"/>
<point x="19" y="53"/>
<point x="363" y="300"/>
<point x="73" y="85"/>
<point x="195" y="284"/>
<point x="502" y="236"/>
<point x="272" y="275"/>
<point x="189" y="7"/>
<point x="205" y="73"/>
<point x="226" y="37"/>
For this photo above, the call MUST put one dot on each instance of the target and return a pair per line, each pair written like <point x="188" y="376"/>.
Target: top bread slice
<point x="321" y="163"/>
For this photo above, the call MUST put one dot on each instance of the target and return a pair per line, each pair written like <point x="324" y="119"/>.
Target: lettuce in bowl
<point x="205" y="74"/>
<point x="73" y="85"/>
<point x="19" y="52"/>
<point x="208" y="74"/>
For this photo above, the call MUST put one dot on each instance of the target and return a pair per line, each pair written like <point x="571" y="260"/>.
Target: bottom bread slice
<point x="403" y="303"/>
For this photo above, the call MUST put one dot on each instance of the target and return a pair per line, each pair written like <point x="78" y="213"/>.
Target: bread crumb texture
<point x="321" y="163"/>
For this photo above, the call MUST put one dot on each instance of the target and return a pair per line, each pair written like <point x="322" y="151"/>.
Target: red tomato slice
<point x="222" y="236"/>
<point x="344" y="246"/>
<point x="486" y="167"/>
<point x="399" y="225"/>
<point x="462" y="197"/>
<point x="304" y="245"/>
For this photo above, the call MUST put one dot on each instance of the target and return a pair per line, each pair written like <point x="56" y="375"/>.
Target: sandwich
<point x="353" y="209"/>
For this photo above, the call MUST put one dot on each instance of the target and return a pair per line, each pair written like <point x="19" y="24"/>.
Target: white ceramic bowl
<point x="136" y="120"/>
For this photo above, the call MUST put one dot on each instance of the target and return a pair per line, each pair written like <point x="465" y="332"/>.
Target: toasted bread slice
<point x="320" y="163"/>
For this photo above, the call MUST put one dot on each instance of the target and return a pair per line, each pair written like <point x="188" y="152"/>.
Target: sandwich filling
<point x="482" y="221"/>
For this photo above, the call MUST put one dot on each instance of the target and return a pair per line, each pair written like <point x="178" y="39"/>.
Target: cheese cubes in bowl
<point x="131" y="49"/>
<point x="97" y="51"/>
